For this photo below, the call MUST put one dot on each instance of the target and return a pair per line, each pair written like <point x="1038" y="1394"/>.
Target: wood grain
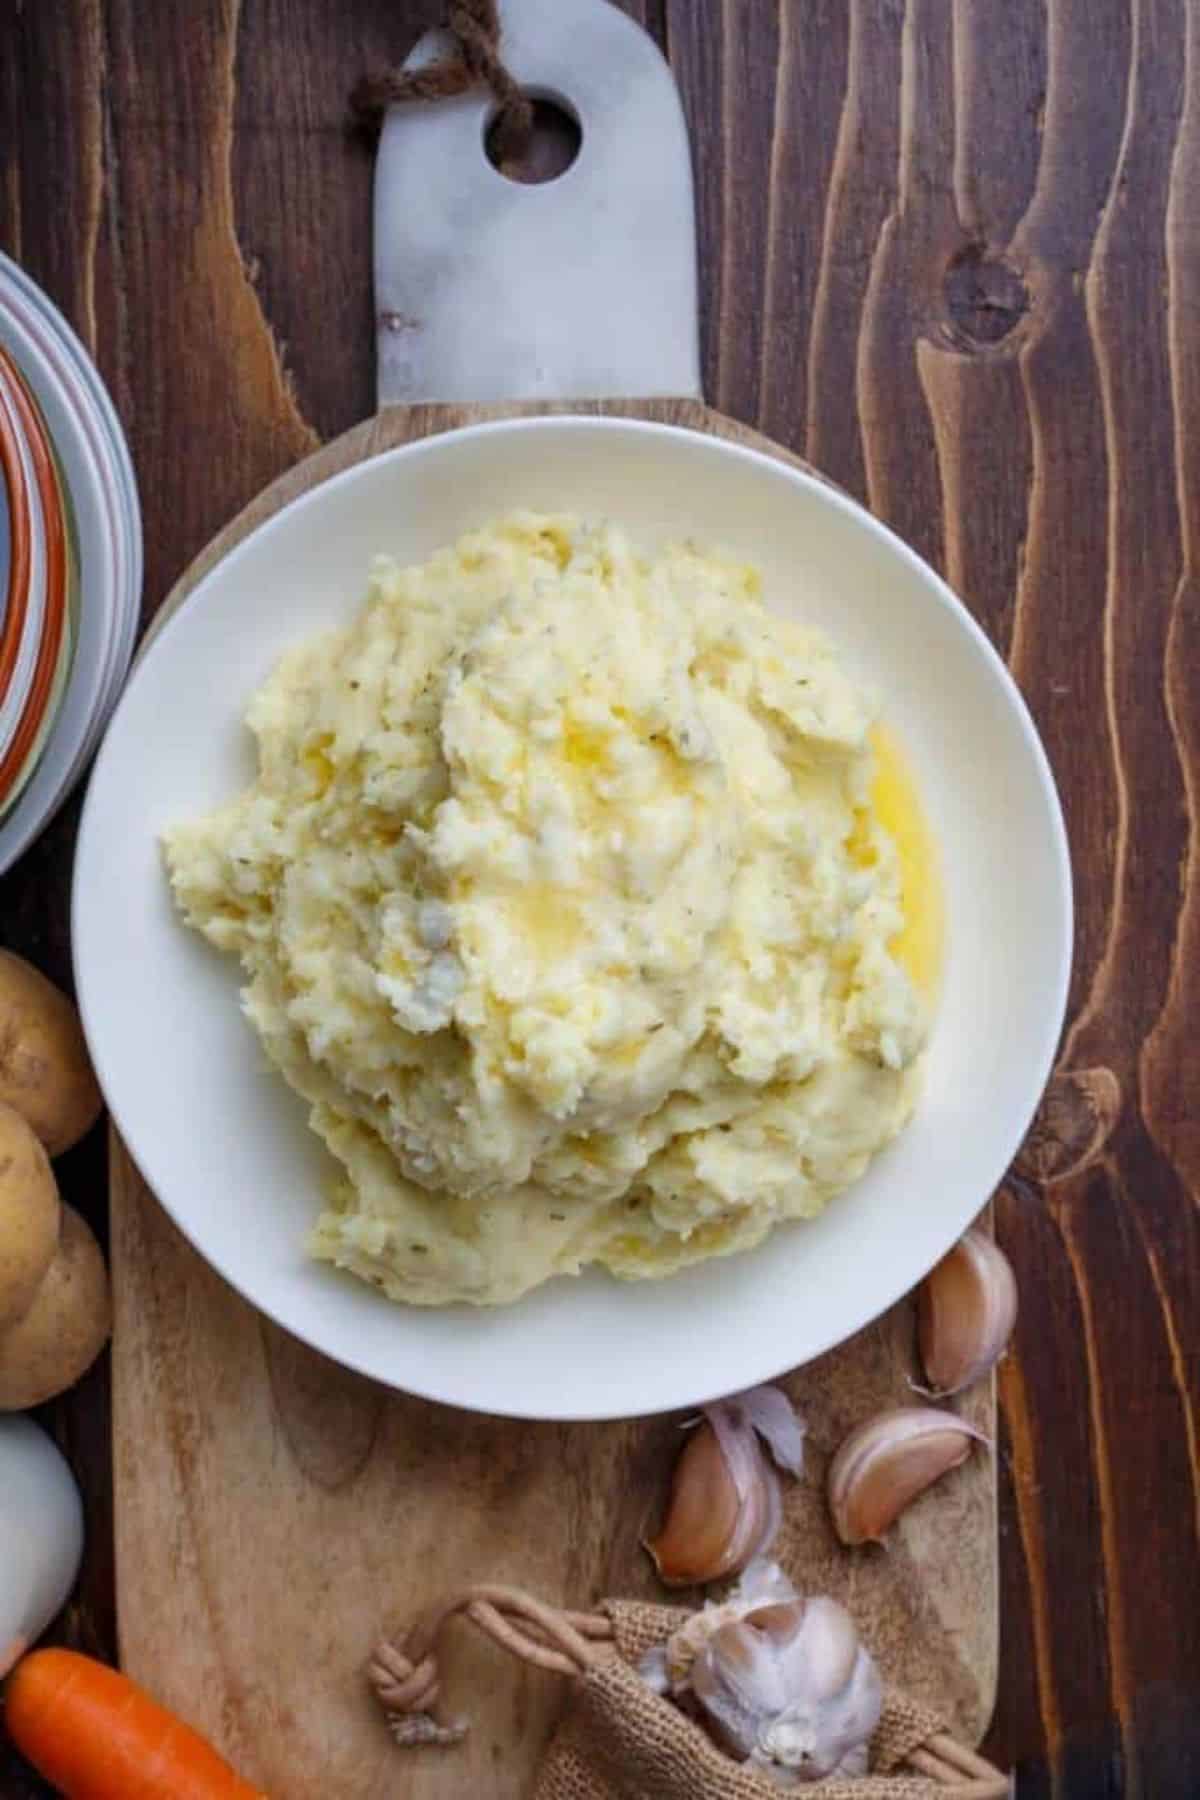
<point x="953" y="244"/>
<point x="295" y="1512"/>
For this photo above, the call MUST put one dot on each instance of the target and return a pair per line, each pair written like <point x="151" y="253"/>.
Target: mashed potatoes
<point x="565" y="906"/>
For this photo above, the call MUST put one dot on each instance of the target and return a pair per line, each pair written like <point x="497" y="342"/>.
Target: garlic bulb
<point x="668" y="1669"/>
<point x="783" y="1682"/>
<point x="966" y="1310"/>
<point x="885" y="1463"/>
<point x="725" y="1502"/>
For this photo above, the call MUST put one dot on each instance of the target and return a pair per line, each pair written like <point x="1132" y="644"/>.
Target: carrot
<point x="96" y="1736"/>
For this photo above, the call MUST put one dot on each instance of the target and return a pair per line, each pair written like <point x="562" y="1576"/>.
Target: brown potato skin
<point x="65" y="1328"/>
<point x="45" y="1071"/>
<point x="29" y="1216"/>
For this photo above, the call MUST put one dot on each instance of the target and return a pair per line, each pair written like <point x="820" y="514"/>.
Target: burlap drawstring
<point x="621" y="1736"/>
<point x="475" y="27"/>
<point x="405" y="1678"/>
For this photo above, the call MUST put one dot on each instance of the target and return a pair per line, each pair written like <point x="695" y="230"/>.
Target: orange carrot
<point x="95" y="1736"/>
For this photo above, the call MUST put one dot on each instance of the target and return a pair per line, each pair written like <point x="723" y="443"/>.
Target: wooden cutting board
<point x="275" y="1514"/>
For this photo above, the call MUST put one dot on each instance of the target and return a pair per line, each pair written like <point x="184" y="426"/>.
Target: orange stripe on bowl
<point x="20" y="551"/>
<point x="56" y="579"/>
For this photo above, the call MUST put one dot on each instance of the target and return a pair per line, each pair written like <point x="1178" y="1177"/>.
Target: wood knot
<point x="1072" y="1125"/>
<point x="985" y="299"/>
<point x="327" y="1416"/>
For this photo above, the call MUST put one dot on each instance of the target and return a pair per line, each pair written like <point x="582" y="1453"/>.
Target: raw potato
<point x="45" y="1070"/>
<point x="29" y="1216"/>
<point x="66" y="1327"/>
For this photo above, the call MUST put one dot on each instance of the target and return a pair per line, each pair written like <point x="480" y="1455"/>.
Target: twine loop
<point x="405" y="1675"/>
<point x="475" y="27"/>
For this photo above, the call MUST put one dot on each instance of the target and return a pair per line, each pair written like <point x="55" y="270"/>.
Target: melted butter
<point x="896" y="803"/>
<point x="317" y="763"/>
<point x="584" y="748"/>
<point x="557" y="540"/>
<point x="546" y="917"/>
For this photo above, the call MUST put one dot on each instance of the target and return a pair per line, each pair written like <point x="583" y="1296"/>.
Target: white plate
<point x="223" y="1143"/>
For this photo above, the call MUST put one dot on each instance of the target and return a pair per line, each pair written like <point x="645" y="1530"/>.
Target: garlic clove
<point x="726" y="1505"/>
<point x="745" y="1659"/>
<point x="829" y="1646"/>
<point x="741" y="1665"/>
<point x="966" y="1310"/>
<point x="732" y="1714"/>
<point x="702" y="1516"/>
<point x="779" y="1622"/>
<point x="757" y="1525"/>
<point x="887" y="1461"/>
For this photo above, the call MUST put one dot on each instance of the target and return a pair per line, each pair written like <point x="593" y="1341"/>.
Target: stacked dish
<point x="70" y="560"/>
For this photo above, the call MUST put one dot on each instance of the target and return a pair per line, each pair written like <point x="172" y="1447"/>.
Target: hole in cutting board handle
<point x="553" y="145"/>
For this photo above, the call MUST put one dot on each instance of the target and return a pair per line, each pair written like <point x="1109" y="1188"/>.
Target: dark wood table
<point x="951" y="253"/>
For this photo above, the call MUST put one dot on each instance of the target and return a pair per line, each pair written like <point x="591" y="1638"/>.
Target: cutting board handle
<point x="488" y="289"/>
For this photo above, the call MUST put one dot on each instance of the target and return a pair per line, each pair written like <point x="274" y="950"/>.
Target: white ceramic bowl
<point x="24" y="605"/>
<point x="106" y="552"/>
<point x="101" y="429"/>
<point x="223" y="1143"/>
<point x="48" y="594"/>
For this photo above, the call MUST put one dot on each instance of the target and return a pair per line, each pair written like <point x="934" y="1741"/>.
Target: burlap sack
<point x="619" y="1740"/>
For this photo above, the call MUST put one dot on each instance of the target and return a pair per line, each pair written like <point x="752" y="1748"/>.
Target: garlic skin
<point x="886" y="1462"/>
<point x="790" y="1689"/>
<point x="725" y="1503"/>
<point x="966" y="1311"/>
